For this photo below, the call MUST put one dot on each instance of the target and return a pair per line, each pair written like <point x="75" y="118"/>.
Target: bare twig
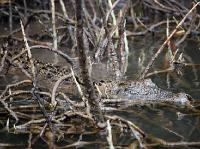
<point x="60" y="80"/>
<point x="9" y="110"/>
<point x="81" y="93"/>
<point x="109" y="135"/>
<point x="112" y="6"/>
<point x="55" y="43"/>
<point x="3" y="63"/>
<point x="10" y="17"/>
<point x="69" y="59"/>
<point x="29" y="55"/>
<point x="64" y="9"/>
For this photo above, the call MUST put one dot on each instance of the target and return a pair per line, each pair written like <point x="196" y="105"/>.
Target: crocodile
<point x="143" y="90"/>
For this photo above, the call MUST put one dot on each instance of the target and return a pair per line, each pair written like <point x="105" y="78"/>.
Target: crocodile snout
<point x="183" y="99"/>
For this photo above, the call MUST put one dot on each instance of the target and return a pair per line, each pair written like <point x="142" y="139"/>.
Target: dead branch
<point x="83" y="62"/>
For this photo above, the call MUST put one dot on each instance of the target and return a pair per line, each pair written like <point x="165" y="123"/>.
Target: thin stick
<point x="29" y="54"/>
<point x="168" y="43"/>
<point x="25" y="11"/>
<point x="112" y="6"/>
<point x="85" y="100"/>
<point x="64" y="9"/>
<point x="69" y="59"/>
<point x="156" y="72"/>
<point x="12" y="113"/>
<point x="109" y="135"/>
<point x="10" y="17"/>
<point x="3" y="62"/>
<point x="53" y="95"/>
<point x="55" y="39"/>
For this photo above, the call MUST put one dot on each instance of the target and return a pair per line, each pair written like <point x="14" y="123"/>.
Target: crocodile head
<point x="144" y="90"/>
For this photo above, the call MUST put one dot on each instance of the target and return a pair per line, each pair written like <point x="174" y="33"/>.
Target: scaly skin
<point x="144" y="90"/>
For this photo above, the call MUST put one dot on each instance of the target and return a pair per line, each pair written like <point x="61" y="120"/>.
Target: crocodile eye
<point x="100" y="83"/>
<point x="97" y="83"/>
<point x="189" y="97"/>
<point x="49" y="76"/>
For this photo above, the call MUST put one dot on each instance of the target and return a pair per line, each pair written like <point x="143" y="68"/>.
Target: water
<point x="169" y="122"/>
